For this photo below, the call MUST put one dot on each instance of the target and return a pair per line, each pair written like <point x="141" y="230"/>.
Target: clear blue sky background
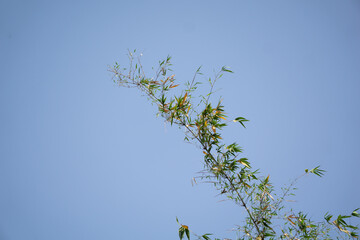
<point x="81" y="158"/>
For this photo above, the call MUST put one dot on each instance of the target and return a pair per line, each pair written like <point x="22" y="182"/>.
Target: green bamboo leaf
<point x="181" y="232"/>
<point x="317" y="171"/>
<point x="205" y="236"/>
<point x="328" y="217"/>
<point x="241" y="120"/>
<point x="187" y="233"/>
<point x="226" y="69"/>
<point x="355" y="213"/>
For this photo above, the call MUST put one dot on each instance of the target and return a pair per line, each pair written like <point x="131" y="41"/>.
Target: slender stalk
<point x="244" y="205"/>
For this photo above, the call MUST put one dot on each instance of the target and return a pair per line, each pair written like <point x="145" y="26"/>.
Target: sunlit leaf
<point x="244" y="163"/>
<point x="173" y="86"/>
<point x="214" y="129"/>
<point x="187" y="233"/>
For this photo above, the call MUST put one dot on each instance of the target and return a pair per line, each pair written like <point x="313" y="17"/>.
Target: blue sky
<point x="81" y="158"/>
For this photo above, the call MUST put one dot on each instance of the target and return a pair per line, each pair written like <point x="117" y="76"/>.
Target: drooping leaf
<point x="241" y="120"/>
<point x="244" y="162"/>
<point x="181" y="233"/>
<point x="187" y="233"/>
<point x="226" y="69"/>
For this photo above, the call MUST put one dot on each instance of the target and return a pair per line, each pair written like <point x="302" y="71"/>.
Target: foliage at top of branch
<point x="224" y="165"/>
